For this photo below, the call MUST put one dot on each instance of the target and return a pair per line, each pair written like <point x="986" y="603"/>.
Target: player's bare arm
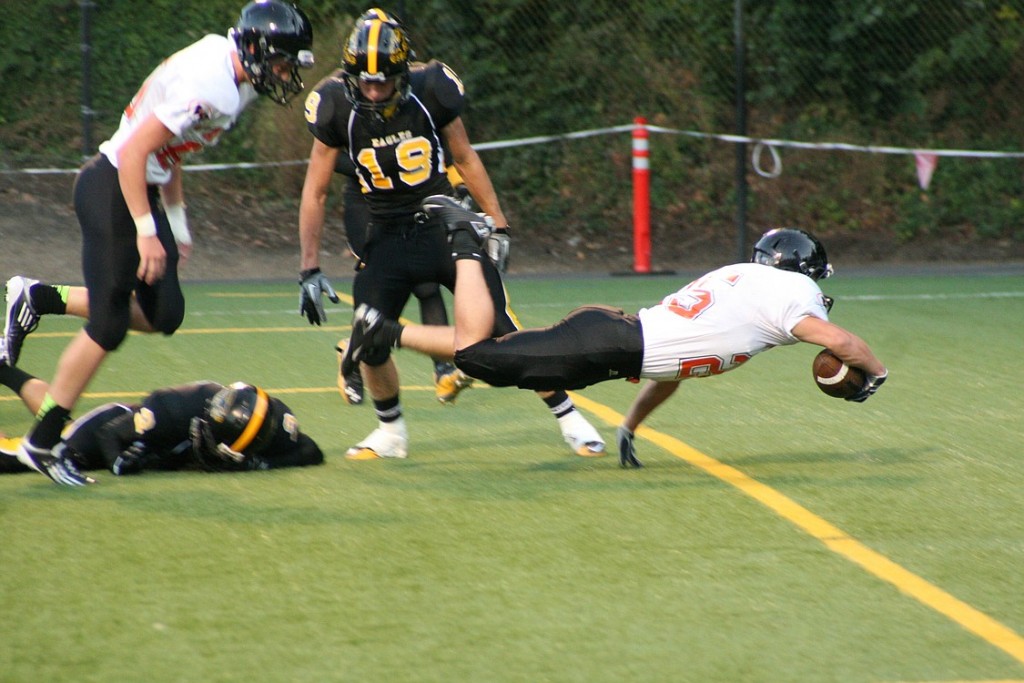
<point x="472" y="170"/>
<point x="173" y="197"/>
<point x="651" y="395"/>
<point x="150" y="136"/>
<point x="849" y="347"/>
<point x="313" y="207"/>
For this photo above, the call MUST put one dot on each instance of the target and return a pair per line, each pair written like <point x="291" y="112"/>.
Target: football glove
<point x="627" y="450"/>
<point x="129" y="461"/>
<point x="498" y="246"/>
<point x="312" y="284"/>
<point x="870" y="387"/>
<point x="463" y="196"/>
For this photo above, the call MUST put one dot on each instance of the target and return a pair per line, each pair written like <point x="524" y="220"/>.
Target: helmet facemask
<point x="237" y="425"/>
<point x="274" y="41"/>
<point x="377" y="51"/>
<point x="276" y="74"/>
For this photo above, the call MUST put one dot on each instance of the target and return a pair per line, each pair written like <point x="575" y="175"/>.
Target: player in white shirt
<point x="712" y="325"/>
<point x="130" y="203"/>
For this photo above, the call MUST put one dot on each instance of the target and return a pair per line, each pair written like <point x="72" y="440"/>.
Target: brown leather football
<point x="835" y="377"/>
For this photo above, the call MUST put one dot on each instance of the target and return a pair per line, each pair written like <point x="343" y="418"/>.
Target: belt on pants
<point x="403" y="223"/>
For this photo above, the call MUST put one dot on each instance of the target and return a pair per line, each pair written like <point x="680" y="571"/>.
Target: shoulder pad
<point x="442" y="85"/>
<point x="326" y="110"/>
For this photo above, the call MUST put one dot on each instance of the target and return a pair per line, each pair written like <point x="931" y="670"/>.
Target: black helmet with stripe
<point x="376" y="51"/>
<point x="238" y="424"/>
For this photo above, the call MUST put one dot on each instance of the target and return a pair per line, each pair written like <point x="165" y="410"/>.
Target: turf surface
<point x="775" y="534"/>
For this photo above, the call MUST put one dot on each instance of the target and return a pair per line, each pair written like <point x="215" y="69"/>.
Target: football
<point x="835" y="377"/>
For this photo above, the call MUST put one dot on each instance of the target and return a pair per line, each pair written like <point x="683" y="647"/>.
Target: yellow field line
<point x="347" y="298"/>
<point x="836" y="540"/>
<point x="236" y="330"/>
<point x="111" y="395"/>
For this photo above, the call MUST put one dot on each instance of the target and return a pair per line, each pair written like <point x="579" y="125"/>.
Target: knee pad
<point x="107" y="332"/>
<point x="169" y="323"/>
<point x="377" y="356"/>
<point x="164" y="313"/>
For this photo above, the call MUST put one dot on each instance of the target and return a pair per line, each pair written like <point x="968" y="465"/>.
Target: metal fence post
<point x="86" y="48"/>
<point x="741" y="129"/>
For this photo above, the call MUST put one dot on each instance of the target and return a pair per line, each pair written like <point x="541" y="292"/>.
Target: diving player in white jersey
<point x="130" y="203"/>
<point x="712" y="325"/>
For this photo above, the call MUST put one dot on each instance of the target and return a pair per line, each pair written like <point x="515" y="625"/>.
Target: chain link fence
<point x="943" y="74"/>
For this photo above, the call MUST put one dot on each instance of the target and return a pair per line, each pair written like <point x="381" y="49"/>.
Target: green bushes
<point x="942" y="74"/>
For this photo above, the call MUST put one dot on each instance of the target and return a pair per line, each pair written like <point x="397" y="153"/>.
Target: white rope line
<point x="760" y="144"/>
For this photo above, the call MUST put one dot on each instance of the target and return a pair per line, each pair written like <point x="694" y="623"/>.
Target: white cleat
<point x="581" y="436"/>
<point x="381" y="443"/>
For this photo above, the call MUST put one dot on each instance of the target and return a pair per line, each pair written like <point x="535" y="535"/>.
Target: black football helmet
<point x="237" y="425"/>
<point x="792" y="249"/>
<point x="267" y="32"/>
<point x="376" y="50"/>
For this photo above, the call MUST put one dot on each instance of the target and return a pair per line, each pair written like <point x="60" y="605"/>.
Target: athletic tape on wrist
<point x="145" y="225"/>
<point x="179" y="223"/>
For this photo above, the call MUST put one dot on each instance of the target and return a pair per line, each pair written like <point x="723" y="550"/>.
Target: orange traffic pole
<point x="641" y="198"/>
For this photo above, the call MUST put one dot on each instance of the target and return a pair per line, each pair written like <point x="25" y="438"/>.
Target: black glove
<point x="312" y="284"/>
<point x="463" y="196"/>
<point x="627" y="451"/>
<point x="130" y="461"/>
<point x="498" y="246"/>
<point x="870" y="387"/>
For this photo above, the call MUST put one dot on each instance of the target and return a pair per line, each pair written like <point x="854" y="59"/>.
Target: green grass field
<point x="774" y="535"/>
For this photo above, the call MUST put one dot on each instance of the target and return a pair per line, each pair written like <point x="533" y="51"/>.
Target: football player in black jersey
<point x="394" y="121"/>
<point x="202" y="425"/>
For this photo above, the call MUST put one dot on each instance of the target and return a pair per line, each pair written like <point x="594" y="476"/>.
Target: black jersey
<point x="400" y="160"/>
<point x="158" y="428"/>
<point x="159" y="432"/>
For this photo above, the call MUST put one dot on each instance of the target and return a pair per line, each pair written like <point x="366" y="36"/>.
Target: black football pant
<point x="592" y="344"/>
<point x="399" y="259"/>
<point x="357" y="222"/>
<point x="110" y="259"/>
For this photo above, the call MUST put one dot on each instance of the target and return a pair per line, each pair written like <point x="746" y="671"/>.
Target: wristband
<point x="179" y="223"/>
<point x="145" y="225"/>
<point x="303" y="274"/>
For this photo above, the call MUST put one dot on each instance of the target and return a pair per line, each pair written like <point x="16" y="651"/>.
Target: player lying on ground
<point x="713" y="324"/>
<point x="202" y="425"/>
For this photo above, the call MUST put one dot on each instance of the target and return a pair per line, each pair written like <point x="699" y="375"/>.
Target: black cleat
<point x="349" y="386"/>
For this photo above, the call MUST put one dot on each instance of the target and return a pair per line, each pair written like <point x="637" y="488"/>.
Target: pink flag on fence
<point x="926" y="164"/>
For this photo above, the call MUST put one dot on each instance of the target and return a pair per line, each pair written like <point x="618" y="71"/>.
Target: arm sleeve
<point x="444" y="93"/>
<point x="324" y="119"/>
<point x="808" y="301"/>
<point x="115" y="436"/>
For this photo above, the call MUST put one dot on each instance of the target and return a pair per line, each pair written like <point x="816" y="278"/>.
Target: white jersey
<point x="193" y="92"/>
<point x="721" y="320"/>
